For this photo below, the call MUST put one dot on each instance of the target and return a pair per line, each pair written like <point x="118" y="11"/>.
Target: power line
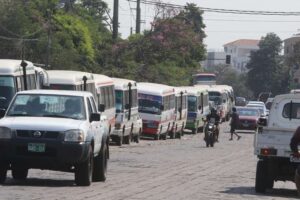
<point x="229" y="11"/>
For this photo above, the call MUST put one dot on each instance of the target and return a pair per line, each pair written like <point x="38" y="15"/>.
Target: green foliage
<point x="266" y="69"/>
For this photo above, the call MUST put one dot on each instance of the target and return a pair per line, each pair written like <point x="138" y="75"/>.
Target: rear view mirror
<point x="101" y="107"/>
<point x="2" y="112"/>
<point x="95" y="117"/>
<point x="162" y="107"/>
<point x="262" y="122"/>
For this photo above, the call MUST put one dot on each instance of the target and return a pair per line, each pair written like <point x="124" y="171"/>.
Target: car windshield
<point x="150" y="103"/>
<point x="260" y="108"/>
<point x="119" y="101"/>
<point x="7" y="91"/>
<point x="37" y="105"/>
<point x="248" y="112"/>
<point x="192" y="103"/>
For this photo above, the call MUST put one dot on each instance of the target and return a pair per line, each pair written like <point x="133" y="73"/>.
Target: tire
<point x="84" y="170"/>
<point x="100" y="165"/>
<point x="211" y="140"/>
<point x="19" y="173"/>
<point x="127" y="139"/>
<point x="194" y="131"/>
<point x="179" y="134"/>
<point x="261" y="177"/>
<point x="3" y="173"/>
<point x="120" y="140"/>
<point x="207" y="143"/>
<point x="137" y="137"/>
<point x="156" y="137"/>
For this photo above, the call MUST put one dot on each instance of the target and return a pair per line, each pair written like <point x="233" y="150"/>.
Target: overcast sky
<point x="223" y="28"/>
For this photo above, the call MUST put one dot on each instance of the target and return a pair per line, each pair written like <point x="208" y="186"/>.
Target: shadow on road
<point x="283" y="193"/>
<point x="39" y="183"/>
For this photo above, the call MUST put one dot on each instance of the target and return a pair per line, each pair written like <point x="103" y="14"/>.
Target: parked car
<point x="54" y="130"/>
<point x="262" y="109"/>
<point x="240" y="101"/>
<point x="248" y="118"/>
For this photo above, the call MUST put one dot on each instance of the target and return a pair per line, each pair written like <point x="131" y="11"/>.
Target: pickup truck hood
<point x="41" y="123"/>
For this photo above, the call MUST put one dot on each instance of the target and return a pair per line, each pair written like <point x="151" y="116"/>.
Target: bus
<point x="231" y="98"/>
<point x="101" y="86"/>
<point x="198" y="108"/>
<point x="128" y="125"/>
<point x="156" y="108"/>
<point x="180" y="113"/>
<point x="13" y="79"/>
<point x="204" y="79"/>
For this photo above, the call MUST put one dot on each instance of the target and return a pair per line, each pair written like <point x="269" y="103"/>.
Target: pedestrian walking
<point x="234" y="124"/>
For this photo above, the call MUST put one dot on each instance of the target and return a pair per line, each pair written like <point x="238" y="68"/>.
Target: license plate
<point x="36" y="147"/>
<point x="245" y="125"/>
<point x="295" y="159"/>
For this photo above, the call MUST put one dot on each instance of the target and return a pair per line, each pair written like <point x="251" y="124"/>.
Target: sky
<point x="223" y="28"/>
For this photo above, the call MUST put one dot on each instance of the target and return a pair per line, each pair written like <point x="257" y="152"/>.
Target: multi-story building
<point x="239" y="52"/>
<point x="289" y="52"/>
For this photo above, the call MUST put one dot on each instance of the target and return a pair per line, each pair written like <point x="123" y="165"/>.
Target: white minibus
<point x="156" y="108"/>
<point x="128" y="125"/>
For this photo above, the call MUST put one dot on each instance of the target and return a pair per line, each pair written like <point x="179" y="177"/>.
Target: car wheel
<point x="120" y="140"/>
<point x="100" y="165"/>
<point x="84" y="170"/>
<point x="137" y="137"/>
<point x="19" y="173"/>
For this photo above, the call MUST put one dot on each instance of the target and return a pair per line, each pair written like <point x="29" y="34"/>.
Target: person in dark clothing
<point x="234" y="124"/>
<point x="295" y="141"/>
<point x="214" y="115"/>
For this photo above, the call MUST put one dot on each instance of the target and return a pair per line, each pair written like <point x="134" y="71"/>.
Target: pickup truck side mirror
<point x="2" y="112"/>
<point x="101" y="108"/>
<point x="199" y="107"/>
<point x="262" y="122"/>
<point x="95" y="117"/>
<point x="127" y="106"/>
<point x="162" y="107"/>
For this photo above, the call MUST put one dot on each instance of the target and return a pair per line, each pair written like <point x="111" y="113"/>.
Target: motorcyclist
<point x="214" y="115"/>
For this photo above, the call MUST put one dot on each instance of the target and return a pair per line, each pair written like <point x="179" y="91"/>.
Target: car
<point x="54" y="130"/>
<point x="262" y="108"/>
<point x="256" y="102"/>
<point x="248" y="118"/>
<point x="240" y="101"/>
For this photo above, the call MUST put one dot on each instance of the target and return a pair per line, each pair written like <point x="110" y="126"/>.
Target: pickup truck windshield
<point x="7" y="91"/>
<point x="37" y="105"/>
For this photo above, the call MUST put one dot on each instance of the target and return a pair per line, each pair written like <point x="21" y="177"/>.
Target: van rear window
<point x="291" y="110"/>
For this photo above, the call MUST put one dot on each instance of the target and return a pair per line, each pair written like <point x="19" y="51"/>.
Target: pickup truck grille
<point x="37" y="134"/>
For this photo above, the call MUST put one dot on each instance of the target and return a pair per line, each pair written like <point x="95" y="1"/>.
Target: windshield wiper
<point x="19" y="114"/>
<point x="60" y="116"/>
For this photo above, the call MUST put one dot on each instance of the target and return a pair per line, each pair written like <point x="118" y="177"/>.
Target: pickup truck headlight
<point x="5" y="133"/>
<point x="74" y="136"/>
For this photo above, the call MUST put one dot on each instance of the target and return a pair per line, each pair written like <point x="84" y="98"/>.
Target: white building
<point x="239" y="51"/>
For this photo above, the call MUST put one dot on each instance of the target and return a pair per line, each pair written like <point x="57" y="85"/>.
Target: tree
<point x="266" y="70"/>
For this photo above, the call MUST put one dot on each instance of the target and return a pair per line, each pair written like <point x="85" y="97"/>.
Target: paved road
<point x="171" y="169"/>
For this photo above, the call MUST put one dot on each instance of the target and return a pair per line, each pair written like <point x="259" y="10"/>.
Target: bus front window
<point x="119" y="101"/>
<point x="192" y="103"/>
<point x="150" y="104"/>
<point x="7" y="90"/>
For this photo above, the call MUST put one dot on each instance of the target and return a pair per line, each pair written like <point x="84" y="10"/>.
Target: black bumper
<point x="58" y="155"/>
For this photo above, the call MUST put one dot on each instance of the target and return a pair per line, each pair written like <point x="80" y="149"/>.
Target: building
<point x="289" y="45"/>
<point x="239" y="52"/>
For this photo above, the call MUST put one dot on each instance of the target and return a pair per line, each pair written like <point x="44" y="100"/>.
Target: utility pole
<point x="49" y="15"/>
<point x="138" y="17"/>
<point x="115" y="20"/>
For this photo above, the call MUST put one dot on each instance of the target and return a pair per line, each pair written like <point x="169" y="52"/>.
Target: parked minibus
<point x="101" y="86"/>
<point x="14" y="78"/>
<point x="198" y="108"/>
<point x="128" y="125"/>
<point x="180" y="113"/>
<point x="156" y="108"/>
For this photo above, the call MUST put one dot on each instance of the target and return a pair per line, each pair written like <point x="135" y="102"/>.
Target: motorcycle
<point x="210" y="133"/>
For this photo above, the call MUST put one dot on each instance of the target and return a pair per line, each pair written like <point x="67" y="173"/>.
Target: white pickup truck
<point x="55" y="130"/>
<point x="272" y="143"/>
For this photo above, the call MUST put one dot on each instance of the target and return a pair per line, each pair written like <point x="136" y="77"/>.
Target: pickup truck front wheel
<point x="100" y="165"/>
<point x="261" y="177"/>
<point x="3" y="172"/>
<point x="19" y="173"/>
<point x="84" y="170"/>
